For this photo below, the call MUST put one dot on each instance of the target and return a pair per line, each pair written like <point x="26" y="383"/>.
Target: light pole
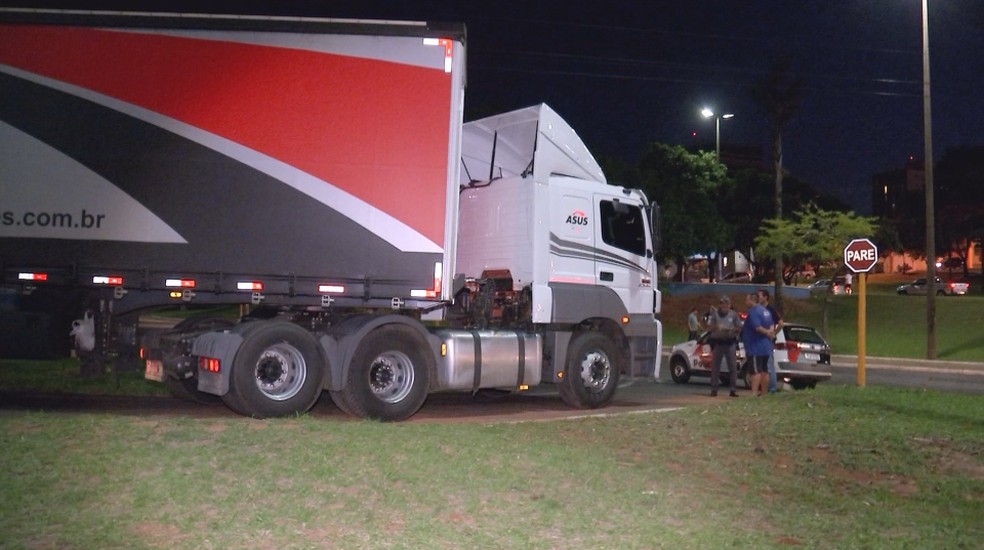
<point x="930" y="215"/>
<point x="707" y="113"/>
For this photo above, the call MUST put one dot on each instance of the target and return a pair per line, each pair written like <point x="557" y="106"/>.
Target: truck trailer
<point x="318" y="174"/>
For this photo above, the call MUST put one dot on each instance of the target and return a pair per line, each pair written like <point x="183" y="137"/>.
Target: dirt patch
<point x="947" y="457"/>
<point x="160" y="534"/>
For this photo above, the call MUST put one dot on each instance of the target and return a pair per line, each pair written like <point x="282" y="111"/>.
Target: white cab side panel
<point x="495" y="229"/>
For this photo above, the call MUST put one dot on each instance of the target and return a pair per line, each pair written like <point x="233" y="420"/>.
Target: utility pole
<point x="930" y="210"/>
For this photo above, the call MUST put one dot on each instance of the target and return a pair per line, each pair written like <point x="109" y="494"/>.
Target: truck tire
<point x="388" y="377"/>
<point x="591" y="375"/>
<point x="338" y="398"/>
<point x="679" y="371"/>
<point x="277" y="371"/>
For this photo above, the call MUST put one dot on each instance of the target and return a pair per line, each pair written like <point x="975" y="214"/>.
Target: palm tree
<point x="779" y="94"/>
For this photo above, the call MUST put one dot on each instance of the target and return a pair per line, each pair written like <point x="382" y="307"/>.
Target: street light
<point x="930" y="207"/>
<point x="707" y="113"/>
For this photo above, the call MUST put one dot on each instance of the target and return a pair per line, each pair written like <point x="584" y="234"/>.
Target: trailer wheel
<point x="388" y="377"/>
<point x="277" y="371"/>
<point x="591" y="376"/>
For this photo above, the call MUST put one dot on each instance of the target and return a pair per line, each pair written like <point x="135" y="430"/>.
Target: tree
<point x="812" y="235"/>
<point x="749" y="203"/>
<point x="779" y="94"/>
<point x="960" y="201"/>
<point x="687" y="186"/>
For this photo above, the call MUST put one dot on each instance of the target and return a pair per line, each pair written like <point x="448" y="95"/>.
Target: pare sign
<point x="860" y="255"/>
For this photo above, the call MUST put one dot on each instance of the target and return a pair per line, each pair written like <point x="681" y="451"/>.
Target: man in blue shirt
<point x="764" y="299"/>
<point x="757" y="337"/>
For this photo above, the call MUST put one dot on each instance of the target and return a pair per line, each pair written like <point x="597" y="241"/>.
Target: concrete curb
<point x="967" y="367"/>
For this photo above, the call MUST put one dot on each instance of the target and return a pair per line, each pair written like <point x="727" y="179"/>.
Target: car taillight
<point x="792" y="348"/>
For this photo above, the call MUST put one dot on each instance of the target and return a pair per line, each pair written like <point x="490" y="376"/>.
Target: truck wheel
<point x="277" y="371"/>
<point x="388" y="377"/>
<point x="339" y="400"/>
<point x="679" y="371"/>
<point x="591" y="376"/>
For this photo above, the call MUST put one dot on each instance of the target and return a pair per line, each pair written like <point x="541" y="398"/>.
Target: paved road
<point x="956" y="376"/>
<point x="488" y="407"/>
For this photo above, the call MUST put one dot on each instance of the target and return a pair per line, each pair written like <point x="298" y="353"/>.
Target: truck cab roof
<point x="534" y="140"/>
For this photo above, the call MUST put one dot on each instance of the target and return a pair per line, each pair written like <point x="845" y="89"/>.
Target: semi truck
<point x="318" y="174"/>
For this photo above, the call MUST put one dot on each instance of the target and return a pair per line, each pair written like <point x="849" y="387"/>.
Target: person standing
<point x="693" y="324"/>
<point x="757" y="339"/>
<point x="848" y="282"/>
<point x="765" y="300"/>
<point x="724" y="326"/>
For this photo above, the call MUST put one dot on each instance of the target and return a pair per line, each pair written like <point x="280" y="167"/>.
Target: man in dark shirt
<point x="725" y="325"/>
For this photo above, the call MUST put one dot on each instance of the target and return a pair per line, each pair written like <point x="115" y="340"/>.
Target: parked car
<point x="947" y="288"/>
<point x="801" y="355"/>
<point x="820" y="286"/>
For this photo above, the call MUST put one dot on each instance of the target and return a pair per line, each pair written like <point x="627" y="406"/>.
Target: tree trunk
<point x="777" y="165"/>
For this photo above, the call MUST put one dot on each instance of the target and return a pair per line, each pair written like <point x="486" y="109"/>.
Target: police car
<point x="801" y="355"/>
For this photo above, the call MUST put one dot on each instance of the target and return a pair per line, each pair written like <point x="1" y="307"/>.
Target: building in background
<point x="899" y="195"/>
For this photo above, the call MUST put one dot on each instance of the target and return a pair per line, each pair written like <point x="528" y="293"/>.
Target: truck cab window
<point x="623" y="226"/>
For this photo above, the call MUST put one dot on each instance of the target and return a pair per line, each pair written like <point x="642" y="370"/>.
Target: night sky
<point x="625" y="73"/>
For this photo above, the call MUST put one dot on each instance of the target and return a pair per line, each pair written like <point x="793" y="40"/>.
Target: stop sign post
<point x="860" y="255"/>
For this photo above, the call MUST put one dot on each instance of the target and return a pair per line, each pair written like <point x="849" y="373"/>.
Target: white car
<point x="801" y="355"/>
<point x="822" y="286"/>
<point x="919" y="286"/>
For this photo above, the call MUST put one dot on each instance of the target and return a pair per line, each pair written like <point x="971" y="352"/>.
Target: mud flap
<point x="221" y="346"/>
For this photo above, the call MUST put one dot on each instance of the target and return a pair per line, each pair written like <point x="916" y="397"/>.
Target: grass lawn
<point x="64" y="376"/>
<point x="835" y="467"/>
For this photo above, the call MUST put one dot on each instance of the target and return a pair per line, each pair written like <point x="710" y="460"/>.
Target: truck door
<point x="624" y="251"/>
<point x="572" y="261"/>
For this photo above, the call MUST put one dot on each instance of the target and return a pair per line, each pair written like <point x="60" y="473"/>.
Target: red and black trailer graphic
<point x="156" y="145"/>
